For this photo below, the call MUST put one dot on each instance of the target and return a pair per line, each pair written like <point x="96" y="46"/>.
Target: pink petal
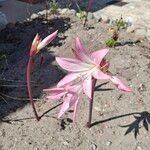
<point x="65" y="106"/>
<point x="80" y="52"/>
<point x="120" y="85"/>
<point x="69" y="101"/>
<point x="55" y="93"/>
<point x="72" y="65"/>
<point x="75" y="110"/>
<point x="73" y="99"/>
<point x="35" y="43"/>
<point x="78" y="45"/>
<point x="87" y="86"/>
<point x="47" y="40"/>
<point x="36" y="39"/>
<point x="74" y="88"/>
<point x="99" y="55"/>
<point x="68" y="78"/>
<point x="98" y="74"/>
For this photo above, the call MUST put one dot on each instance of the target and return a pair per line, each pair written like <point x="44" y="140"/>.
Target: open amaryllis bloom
<point x="88" y="66"/>
<point x="38" y="44"/>
<point x="69" y="94"/>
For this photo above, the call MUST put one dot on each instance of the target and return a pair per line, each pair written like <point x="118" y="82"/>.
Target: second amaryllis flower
<point x="85" y="69"/>
<point x="88" y="66"/>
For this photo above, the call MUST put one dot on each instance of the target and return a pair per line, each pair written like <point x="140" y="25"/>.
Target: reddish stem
<point x="91" y="104"/>
<point x="29" y="69"/>
<point x="89" y="4"/>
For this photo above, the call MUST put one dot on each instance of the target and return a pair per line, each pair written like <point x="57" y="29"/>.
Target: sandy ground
<point x="117" y="117"/>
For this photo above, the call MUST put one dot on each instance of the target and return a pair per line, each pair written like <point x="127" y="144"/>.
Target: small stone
<point x="105" y="18"/>
<point x="148" y="34"/>
<point x="90" y="16"/>
<point x="131" y="29"/>
<point x="108" y="143"/>
<point x="97" y="16"/>
<point x="139" y="148"/>
<point x="101" y="132"/>
<point x="72" y="12"/>
<point x="97" y="108"/>
<point x="112" y="20"/>
<point x="42" y="12"/>
<point x="3" y="21"/>
<point x="141" y="33"/>
<point x="129" y="21"/>
<point x="34" y="16"/>
<point x="93" y="146"/>
<point x="142" y="88"/>
<point x="66" y="143"/>
<point x="64" y="11"/>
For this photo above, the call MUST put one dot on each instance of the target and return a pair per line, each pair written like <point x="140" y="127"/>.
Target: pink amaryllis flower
<point x="69" y="94"/>
<point x="37" y="45"/>
<point x="88" y="66"/>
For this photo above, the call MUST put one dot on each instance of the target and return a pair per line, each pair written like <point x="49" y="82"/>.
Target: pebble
<point x="3" y="21"/>
<point x="43" y="12"/>
<point x="108" y="143"/>
<point x="105" y="18"/>
<point x="129" y="20"/>
<point x="139" y="148"/>
<point x="66" y="143"/>
<point x="90" y="16"/>
<point x="97" y="16"/>
<point x="64" y="10"/>
<point x="141" y="33"/>
<point x="142" y="87"/>
<point x="148" y="34"/>
<point x="72" y="12"/>
<point x="34" y="16"/>
<point x="97" y="108"/>
<point x="93" y="146"/>
<point x="131" y="29"/>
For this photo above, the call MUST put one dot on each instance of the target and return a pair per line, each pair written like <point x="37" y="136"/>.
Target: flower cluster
<point x="83" y="72"/>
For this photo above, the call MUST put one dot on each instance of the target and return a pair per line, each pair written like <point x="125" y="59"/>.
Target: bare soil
<point x="120" y="120"/>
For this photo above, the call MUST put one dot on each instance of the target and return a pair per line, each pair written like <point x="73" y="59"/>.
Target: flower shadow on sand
<point x="144" y="118"/>
<point x="140" y="117"/>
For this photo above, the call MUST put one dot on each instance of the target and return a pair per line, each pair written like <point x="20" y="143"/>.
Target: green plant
<point x="54" y="6"/>
<point x="82" y="14"/>
<point x="111" y="42"/>
<point x="118" y="25"/>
